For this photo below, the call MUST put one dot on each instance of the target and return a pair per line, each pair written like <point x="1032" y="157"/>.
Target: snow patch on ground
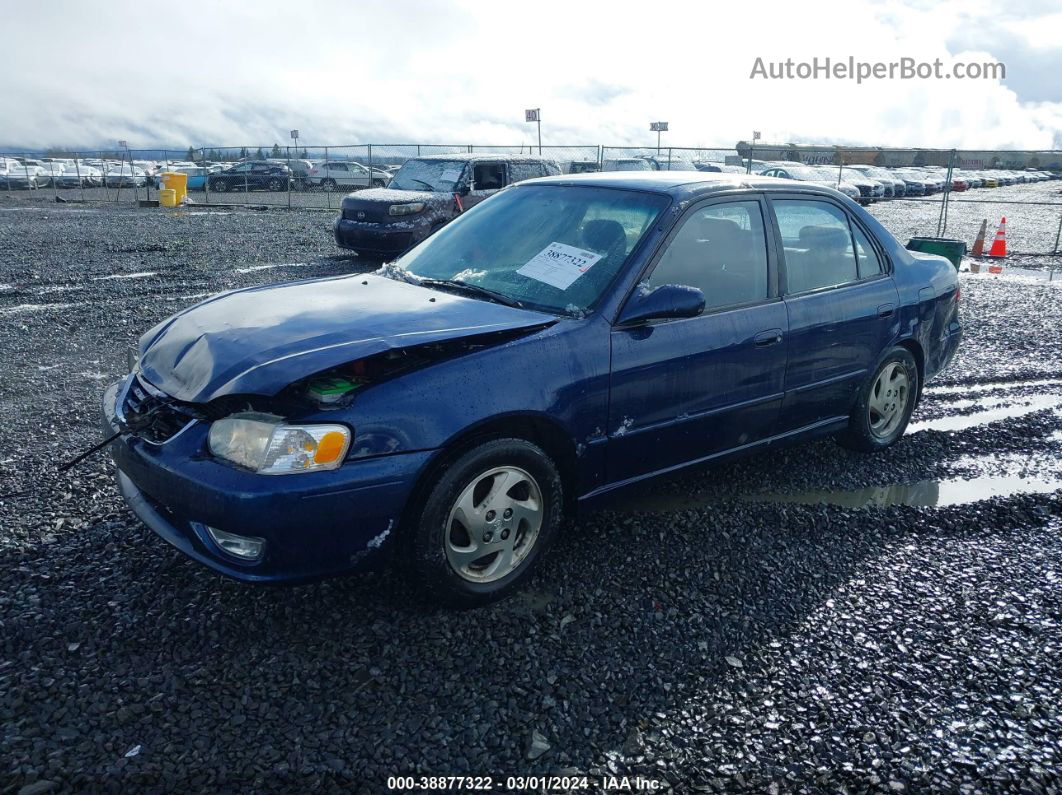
<point x="139" y="275"/>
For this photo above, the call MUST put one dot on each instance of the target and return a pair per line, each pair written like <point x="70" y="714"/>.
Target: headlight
<point x="406" y="209"/>
<point x="264" y="444"/>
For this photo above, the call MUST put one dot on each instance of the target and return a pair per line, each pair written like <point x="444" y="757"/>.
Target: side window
<point x="489" y="176"/>
<point x="521" y="171"/>
<point x="721" y="249"/>
<point x="817" y="244"/>
<point x="867" y="258"/>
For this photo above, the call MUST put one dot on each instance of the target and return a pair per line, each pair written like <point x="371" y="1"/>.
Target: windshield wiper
<point x="474" y="289"/>
<point x="427" y="185"/>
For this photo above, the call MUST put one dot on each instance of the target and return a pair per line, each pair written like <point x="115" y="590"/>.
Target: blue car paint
<point x="628" y="403"/>
<point x="251" y="341"/>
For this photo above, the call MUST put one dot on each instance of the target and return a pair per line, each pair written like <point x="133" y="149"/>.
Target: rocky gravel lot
<point x="713" y="631"/>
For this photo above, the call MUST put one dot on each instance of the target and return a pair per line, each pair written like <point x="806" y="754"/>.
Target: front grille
<point x="864" y="190"/>
<point x="371" y="214"/>
<point x="151" y="415"/>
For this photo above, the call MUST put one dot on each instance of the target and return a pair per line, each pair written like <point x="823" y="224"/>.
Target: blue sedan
<point x="566" y="338"/>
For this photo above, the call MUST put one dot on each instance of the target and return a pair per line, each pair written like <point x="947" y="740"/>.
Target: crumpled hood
<point x="261" y="339"/>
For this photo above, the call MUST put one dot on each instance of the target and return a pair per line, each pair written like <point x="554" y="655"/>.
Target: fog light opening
<point x="242" y="547"/>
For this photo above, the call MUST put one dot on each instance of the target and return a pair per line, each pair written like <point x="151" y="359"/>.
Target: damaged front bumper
<point x="315" y="525"/>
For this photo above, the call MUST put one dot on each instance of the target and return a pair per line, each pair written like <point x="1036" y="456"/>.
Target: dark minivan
<point x="564" y="339"/>
<point x="425" y="194"/>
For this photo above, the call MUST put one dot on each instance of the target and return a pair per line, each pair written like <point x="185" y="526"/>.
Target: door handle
<point x="767" y="338"/>
<point x="885" y="310"/>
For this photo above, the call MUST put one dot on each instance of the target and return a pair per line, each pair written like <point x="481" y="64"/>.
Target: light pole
<point x="535" y="115"/>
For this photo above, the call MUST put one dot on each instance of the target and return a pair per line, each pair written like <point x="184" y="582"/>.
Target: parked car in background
<point x="345" y="175"/>
<point x="51" y="173"/>
<point x="252" y="175"/>
<point x="427" y="193"/>
<point x="300" y="169"/>
<point x="626" y="164"/>
<point x="15" y="175"/>
<point x="583" y="167"/>
<point x="563" y="340"/>
<point x="671" y="162"/>
<point x="915" y="183"/>
<point x="708" y="165"/>
<point x="125" y="176"/>
<point x="197" y="175"/>
<point x="815" y="174"/>
<point x="892" y="185"/>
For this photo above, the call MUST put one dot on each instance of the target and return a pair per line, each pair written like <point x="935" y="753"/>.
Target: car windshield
<point x="548" y="247"/>
<point x="433" y="175"/>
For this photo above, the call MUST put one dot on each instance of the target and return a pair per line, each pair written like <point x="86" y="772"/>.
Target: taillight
<point x="958" y="294"/>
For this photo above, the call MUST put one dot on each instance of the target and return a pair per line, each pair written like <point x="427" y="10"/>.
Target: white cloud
<point x="243" y="74"/>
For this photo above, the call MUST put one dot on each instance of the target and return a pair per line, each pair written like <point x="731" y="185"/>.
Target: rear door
<point x="841" y="302"/>
<point x="683" y="390"/>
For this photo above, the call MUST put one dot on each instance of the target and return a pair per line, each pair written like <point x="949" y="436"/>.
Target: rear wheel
<point x="275" y="185"/>
<point x="487" y="520"/>
<point x="885" y="403"/>
<point x="328" y="185"/>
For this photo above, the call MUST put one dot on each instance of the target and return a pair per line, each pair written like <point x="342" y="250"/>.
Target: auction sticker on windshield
<point x="559" y="265"/>
<point x="450" y="176"/>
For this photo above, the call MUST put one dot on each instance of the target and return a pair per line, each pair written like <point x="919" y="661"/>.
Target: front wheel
<point x="487" y="520"/>
<point x="885" y="403"/>
<point x="219" y="185"/>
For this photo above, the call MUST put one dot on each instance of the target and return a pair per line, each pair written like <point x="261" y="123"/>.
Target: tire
<point x="378" y="183"/>
<point x="459" y="555"/>
<point x="219" y="185"/>
<point x="275" y="185"/>
<point x="328" y="185"/>
<point x="880" y="415"/>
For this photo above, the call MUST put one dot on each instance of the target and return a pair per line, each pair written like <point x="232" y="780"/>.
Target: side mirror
<point x="664" y="302"/>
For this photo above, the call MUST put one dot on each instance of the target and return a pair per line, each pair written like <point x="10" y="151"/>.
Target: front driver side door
<point x="689" y="389"/>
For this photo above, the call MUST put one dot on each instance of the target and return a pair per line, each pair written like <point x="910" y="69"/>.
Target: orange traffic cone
<point x="999" y="245"/>
<point x="979" y="244"/>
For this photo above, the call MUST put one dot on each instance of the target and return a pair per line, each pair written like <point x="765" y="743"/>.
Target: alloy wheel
<point x="493" y="524"/>
<point x="887" y="405"/>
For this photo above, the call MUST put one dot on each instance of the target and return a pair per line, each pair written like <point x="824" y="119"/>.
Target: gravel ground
<point x="685" y="634"/>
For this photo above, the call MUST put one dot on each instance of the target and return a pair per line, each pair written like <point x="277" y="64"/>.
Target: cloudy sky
<point x="81" y="73"/>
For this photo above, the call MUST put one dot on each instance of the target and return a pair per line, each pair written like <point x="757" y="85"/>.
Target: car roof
<point x="683" y="184"/>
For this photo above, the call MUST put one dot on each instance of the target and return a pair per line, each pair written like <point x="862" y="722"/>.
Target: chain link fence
<point x="969" y="186"/>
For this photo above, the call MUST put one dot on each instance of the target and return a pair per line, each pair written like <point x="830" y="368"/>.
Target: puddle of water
<point x="253" y="268"/>
<point x="956" y="423"/>
<point x="141" y="275"/>
<point x="925" y="493"/>
<point x="16" y="310"/>
<point x="1011" y="273"/>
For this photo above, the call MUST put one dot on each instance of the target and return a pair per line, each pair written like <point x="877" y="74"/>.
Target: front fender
<point x="561" y="373"/>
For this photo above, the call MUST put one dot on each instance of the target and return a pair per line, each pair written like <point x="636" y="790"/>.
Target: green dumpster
<point x="953" y="250"/>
